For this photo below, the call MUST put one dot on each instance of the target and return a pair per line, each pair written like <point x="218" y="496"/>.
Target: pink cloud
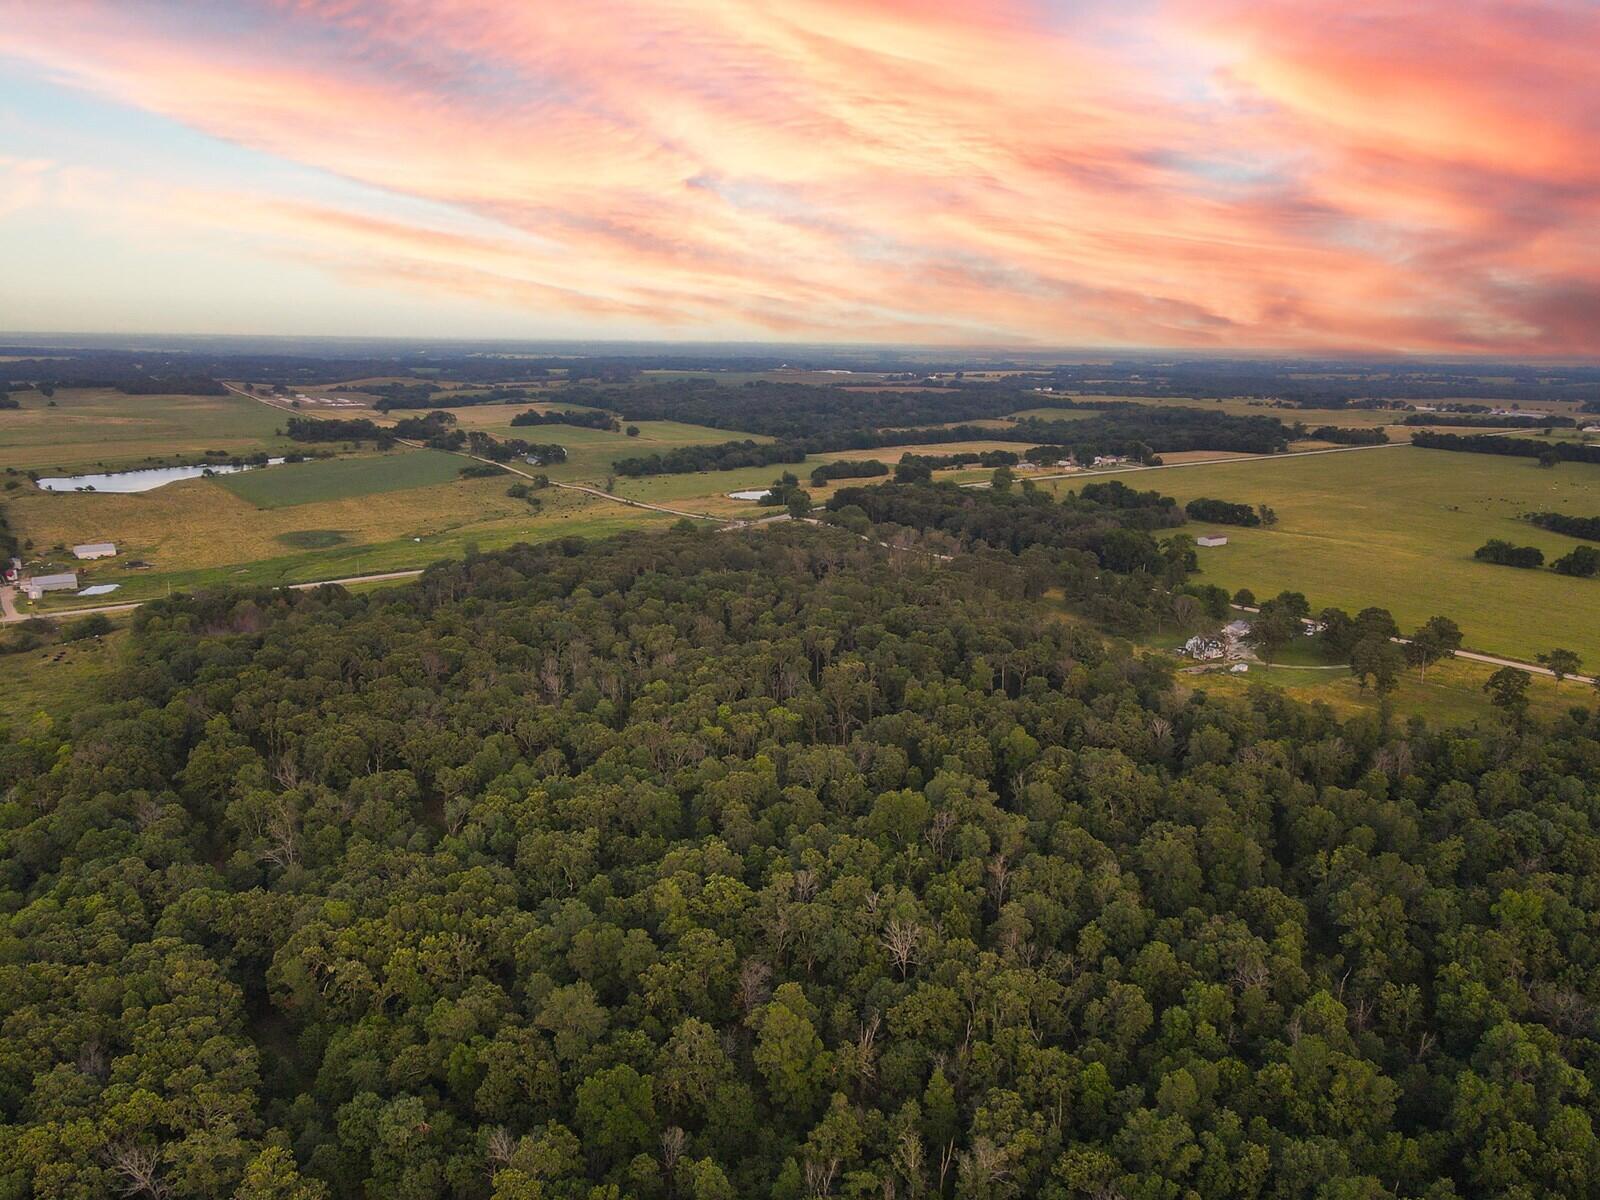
<point x="1278" y="174"/>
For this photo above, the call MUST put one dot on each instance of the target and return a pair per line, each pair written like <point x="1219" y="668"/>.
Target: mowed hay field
<point x="91" y="429"/>
<point x="198" y="532"/>
<point x="1397" y="527"/>
<point x="291" y="484"/>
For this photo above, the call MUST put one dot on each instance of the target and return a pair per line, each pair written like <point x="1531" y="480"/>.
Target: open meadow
<point x="199" y="532"/>
<point x="1397" y="528"/>
<point x="94" y="429"/>
<point x="291" y="484"/>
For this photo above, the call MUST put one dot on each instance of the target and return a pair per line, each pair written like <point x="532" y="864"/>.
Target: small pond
<point x="142" y="480"/>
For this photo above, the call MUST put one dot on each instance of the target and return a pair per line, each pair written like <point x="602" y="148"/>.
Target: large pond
<point x="139" y="481"/>
<point x="750" y="494"/>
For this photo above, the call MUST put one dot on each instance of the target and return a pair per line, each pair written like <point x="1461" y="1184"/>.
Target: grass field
<point x="1452" y="694"/>
<point x="197" y="533"/>
<point x="199" y="524"/>
<point x="52" y="683"/>
<point x="1397" y="528"/>
<point x="294" y="484"/>
<point x="94" y="429"/>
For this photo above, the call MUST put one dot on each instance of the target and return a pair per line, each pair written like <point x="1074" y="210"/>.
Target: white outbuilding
<point x="35" y="586"/>
<point x="95" y="550"/>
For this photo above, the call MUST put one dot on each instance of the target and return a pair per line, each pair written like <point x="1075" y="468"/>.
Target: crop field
<point x="91" y="429"/>
<point x="292" y="484"/>
<point x="1397" y="528"/>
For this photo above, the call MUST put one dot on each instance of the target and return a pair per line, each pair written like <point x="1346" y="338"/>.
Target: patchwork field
<point x="1397" y="528"/>
<point x="95" y="429"/>
<point x="292" y="484"/>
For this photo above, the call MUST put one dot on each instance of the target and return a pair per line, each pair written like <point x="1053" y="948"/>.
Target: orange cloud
<point x="1271" y="175"/>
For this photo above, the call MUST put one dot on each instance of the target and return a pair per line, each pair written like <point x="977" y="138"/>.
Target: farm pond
<point x="142" y="480"/>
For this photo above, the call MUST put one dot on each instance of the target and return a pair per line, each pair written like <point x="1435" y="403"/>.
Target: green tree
<point x="1561" y="663"/>
<point x="788" y="1052"/>
<point x="1437" y="638"/>
<point x="1508" y="690"/>
<point x="616" y="1113"/>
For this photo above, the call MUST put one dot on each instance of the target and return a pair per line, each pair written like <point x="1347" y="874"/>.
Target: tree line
<point x="581" y="418"/>
<point x="1482" y="443"/>
<point x="1581" y="561"/>
<point x="1518" y="421"/>
<point x="684" y="460"/>
<point x="1587" y="528"/>
<point x="1346" y="436"/>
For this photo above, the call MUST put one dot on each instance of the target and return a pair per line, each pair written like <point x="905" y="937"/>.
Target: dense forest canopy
<point x="719" y="865"/>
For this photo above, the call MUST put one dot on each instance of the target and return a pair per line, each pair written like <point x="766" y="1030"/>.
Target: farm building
<point x="1211" y="539"/>
<point x="95" y="550"/>
<point x="1205" y="649"/>
<point x="36" y="586"/>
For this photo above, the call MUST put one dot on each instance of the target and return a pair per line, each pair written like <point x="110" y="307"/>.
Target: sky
<point x="1281" y="176"/>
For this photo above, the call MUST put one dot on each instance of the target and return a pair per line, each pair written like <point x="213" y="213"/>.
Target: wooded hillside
<point x="711" y="865"/>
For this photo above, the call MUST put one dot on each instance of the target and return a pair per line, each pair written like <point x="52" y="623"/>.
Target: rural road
<point x="8" y="610"/>
<point x="12" y="614"/>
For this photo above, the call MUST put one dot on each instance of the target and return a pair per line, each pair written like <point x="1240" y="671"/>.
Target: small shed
<point x="95" y="550"/>
<point x="1211" y="539"/>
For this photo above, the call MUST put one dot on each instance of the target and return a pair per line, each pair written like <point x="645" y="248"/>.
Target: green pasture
<point x="95" y="429"/>
<point x="290" y="484"/>
<point x="1397" y="527"/>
